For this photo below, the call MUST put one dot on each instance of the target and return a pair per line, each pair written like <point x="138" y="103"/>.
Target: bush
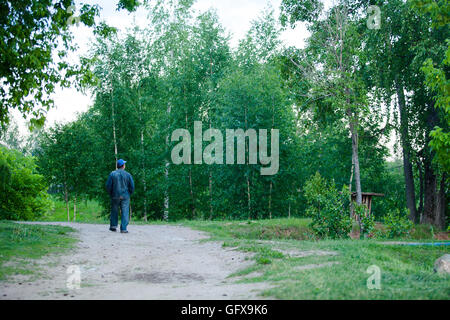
<point x="23" y="193"/>
<point x="328" y="208"/>
<point x="367" y="222"/>
<point x="397" y="224"/>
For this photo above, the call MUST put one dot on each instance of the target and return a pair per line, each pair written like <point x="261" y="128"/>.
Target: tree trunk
<point x="270" y="201"/>
<point x="435" y="202"/>
<point x="421" y="191"/>
<point x="211" y="211"/>
<point x="145" y="194"/>
<point x="113" y="124"/>
<point x="166" y="174"/>
<point x="289" y="210"/>
<point x="270" y="187"/>
<point x="66" y="196"/>
<point x="166" y="193"/>
<point x="429" y="210"/>
<point x="144" y="182"/>
<point x="75" y="208"/>
<point x="249" y="200"/>
<point x="191" y="189"/>
<point x="350" y="188"/>
<point x="192" y="193"/>
<point x="355" y="161"/>
<point x="248" y="171"/>
<point x="407" y="166"/>
<point x="355" y="165"/>
<point x="66" y="199"/>
<point x="441" y="204"/>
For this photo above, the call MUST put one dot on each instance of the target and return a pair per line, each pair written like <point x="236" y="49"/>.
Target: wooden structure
<point x="367" y="199"/>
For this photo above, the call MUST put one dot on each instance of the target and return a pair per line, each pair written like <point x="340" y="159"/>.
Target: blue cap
<point x="120" y="162"/>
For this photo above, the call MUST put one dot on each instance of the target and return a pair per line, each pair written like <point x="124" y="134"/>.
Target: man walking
<point x="120" y="186"/>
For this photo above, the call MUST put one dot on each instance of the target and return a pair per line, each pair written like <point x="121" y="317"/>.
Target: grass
<point x="295" y="229"/>
<point x="21" y="242"/>
<point x="87" y="212"/>
<point x="275" y="245"/>
<point x="406" y="272"/>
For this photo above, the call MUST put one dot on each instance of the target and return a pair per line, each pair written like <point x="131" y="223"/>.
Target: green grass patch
<point x="21" y="242"/>
<point x="87" y="212"/>
<point x="280" y="259"/>
<point x="423" y="231"/>
<point x="295" y="229"/>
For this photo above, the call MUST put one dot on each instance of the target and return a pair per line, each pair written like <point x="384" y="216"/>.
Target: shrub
<point x="328" y="208"/>
<point x="367" y="222"/>
<point x="23" y="193"/>
<point x="397" y="224"/>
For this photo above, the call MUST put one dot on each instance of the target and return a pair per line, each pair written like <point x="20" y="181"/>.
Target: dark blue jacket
<point x="120" y="184"/>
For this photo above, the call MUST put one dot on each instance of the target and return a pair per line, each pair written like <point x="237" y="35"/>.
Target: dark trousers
<point x="124" y="205"/>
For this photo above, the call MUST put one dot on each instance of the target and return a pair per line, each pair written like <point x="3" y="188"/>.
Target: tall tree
<point x="395" y="56"/>
<point x="332" y="69"/>
<point x="32" y="34"/>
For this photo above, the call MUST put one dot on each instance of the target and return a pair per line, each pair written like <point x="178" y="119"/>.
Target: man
<point x="120" y="186"/>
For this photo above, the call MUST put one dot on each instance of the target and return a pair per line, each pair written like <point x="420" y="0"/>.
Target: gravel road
<point x="150" y="262"/>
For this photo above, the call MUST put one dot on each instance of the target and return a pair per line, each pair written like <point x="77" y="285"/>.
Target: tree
<point x="23" y="193"/>
<point x="332" y="69"/>
<point x="66" y="158"/>
<point x="32" y="34"/>
<point x="437" y="79"/>
<point x="252" y="96"/>
<point x="395" y="56"/>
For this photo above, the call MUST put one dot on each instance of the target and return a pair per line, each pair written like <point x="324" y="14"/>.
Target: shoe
<point x="123" y="231"/>
<point x="113" y="229"/>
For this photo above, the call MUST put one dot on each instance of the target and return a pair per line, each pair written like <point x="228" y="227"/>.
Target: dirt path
<point x="150" y="262"/>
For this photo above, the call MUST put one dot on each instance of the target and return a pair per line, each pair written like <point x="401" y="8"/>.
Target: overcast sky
<point x="235" y="16"/>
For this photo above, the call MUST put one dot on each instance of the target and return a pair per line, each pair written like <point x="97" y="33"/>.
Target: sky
<point x="235" y="15"/>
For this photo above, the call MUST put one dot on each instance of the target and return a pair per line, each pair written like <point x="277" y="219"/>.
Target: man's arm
<point x="109" y="184"/>
<point x="131" y="185"/>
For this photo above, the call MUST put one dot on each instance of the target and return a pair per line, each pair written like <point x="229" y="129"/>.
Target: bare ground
<point x="150" y="262"/>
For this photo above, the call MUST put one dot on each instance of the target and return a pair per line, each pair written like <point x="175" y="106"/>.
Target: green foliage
<point x="293" y="11"/>
<point x="439" y="82"/>
<point x="367" y="222"/>
<point x="438" y="9"/>
<point x="129" y="5"/>
<point x="437" y="79"/>
<point x="328" y="208"/>
<point x="23" y="193"/>
<point x="397" y="224"/>
<point x="66" y="157"/>
<point x="181" y="69"/>
<point x="32" y="34"/>
<point x="257" y="90"/>
<point x="422" y="231"/>
<point x="182" y="73"/>
<point x="393" y="68"/>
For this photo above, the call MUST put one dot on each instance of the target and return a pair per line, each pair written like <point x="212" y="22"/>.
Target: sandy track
<point x="151" y="262"/>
